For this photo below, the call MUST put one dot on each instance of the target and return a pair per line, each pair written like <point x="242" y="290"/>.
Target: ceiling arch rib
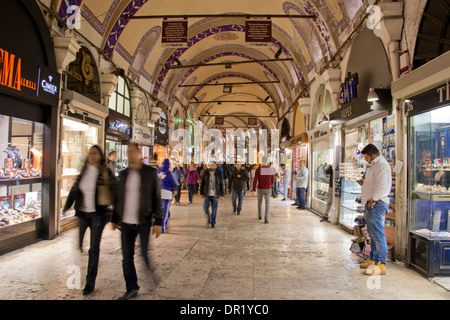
<point x="215" y="78"/>
<point x="170" y="61"/>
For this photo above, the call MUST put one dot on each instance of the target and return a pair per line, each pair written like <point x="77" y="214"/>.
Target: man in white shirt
<point x="302" y="184"/>
<point x="375" y="190"/>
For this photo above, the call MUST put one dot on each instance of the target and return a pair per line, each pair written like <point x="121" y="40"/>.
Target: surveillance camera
<point x="69" y="106"/>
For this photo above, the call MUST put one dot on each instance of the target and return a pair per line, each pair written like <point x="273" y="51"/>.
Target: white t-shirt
<point x="88" y="186"/>
<point x="132" y="197"/>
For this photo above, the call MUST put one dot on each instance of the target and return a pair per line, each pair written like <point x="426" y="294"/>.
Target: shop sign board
<point x="141" y="135"/>
<point x="258" y="33"/>
<point x="117" y="124"/>
<point x="26" y="79"/>
<point x="83" y="76"/>
<point x="431" y="99"/>
<point x="360" y="106"/>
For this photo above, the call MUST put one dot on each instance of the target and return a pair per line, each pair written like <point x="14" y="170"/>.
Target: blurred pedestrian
<point x="92" y="193"/>
<point x="168" y="183"/>
<point x="138" y="204"/>
<point x="192" y="177"/>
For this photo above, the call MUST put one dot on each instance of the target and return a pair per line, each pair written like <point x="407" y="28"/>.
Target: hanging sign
<point x="141" y="134"/>
<point x="258" y="33"/>
<point x="83" y="76"/>
<point x="174" y="33"/>
<point x="26" y="79"/>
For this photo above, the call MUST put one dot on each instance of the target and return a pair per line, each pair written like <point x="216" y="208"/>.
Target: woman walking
<point x="168" y="183"/>
<point x="92" y="193"/>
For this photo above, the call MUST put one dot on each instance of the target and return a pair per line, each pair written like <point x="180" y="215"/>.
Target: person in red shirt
<point x="263" y="181"/>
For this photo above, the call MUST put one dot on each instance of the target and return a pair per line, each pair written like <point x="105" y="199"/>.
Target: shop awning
<point x="361" y="107"/>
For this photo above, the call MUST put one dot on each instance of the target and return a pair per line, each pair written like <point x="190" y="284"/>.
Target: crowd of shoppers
<point x="139" y="200"/>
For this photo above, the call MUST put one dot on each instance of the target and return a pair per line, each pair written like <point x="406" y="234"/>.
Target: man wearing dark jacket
<point x="138" y="204"/>
<point x="239" y="178"/>
<point x="211" y="188"/>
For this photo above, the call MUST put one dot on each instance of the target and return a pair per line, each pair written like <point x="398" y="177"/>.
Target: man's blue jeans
<point x="214" y="201"/>
<point x="301" y="197"/>
<point x="237" y="194"/>
<point x="191" y="190"/>
<point x="375" y="227"/>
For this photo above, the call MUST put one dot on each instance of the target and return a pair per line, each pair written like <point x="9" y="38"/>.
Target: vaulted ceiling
<point x="135" y="46"/>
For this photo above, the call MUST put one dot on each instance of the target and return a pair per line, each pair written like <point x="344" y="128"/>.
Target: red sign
<point x="174" y="33"/>
<point x="258" y="33"/>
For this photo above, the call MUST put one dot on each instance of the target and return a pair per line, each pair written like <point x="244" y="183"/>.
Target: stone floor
<point x="294" y="256"/>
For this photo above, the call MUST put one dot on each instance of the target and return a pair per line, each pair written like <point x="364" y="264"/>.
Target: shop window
<point x="21" y="145"/>
<point x="77" y="138"/>
<point x="429" y="176"/>
<point x="120" y="100"/>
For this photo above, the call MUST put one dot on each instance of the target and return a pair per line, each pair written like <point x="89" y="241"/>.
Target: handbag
<point x="105" y="196"/>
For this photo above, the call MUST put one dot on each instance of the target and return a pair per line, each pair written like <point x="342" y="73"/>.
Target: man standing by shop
<point x="286" y="181"/>
<point x="212" y="188"/>
<point x="239" y="178"/>
<point x="264" y="178"/>
<point x="111" y="162"/>
<point x="138" y="204"/>
<point x="178" y="173"/>
<point x="329" y="172"/>
<point x="375" y="190"/>
<point x="302" y="184"/>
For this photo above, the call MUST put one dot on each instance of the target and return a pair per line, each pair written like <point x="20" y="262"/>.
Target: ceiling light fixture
<point x="278" y="54"/>
<point x="373" y="96"/>
<point x="178" y="62"/>
<point x="227" y="88"/>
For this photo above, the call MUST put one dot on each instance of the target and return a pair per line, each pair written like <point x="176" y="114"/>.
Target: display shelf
<point x="432" y="235"/>
<point x="20" y="181"/>
<point x="432" y="196"/>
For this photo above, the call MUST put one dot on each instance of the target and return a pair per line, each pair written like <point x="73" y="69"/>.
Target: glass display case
<point x="351" y="170"/>
<point x="321" y="180"/>
<point x="351" y="206"/>
<point x="76" y="140"/>
<point x="21" y="144"/>
<point x="429" y="191"/>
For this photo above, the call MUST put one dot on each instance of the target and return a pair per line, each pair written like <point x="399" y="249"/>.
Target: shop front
<point x="117" y="137"/>
<point x="142" y="136"/>
<point x="82" y="125"/>
<point x="429" y="180"/>
<point x="425" y="96"/>
<point x="362" y="122"/>
<point x="299" y="151"/>
<point x="29" y="96"/>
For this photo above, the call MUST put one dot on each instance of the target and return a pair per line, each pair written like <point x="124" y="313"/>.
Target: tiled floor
<point x="294" y="256"/>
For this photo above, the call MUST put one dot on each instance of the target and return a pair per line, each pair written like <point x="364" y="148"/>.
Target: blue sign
<point x="348" y="88"/>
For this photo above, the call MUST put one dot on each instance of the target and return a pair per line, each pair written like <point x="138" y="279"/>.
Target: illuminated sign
<point x="24" y="78"/>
